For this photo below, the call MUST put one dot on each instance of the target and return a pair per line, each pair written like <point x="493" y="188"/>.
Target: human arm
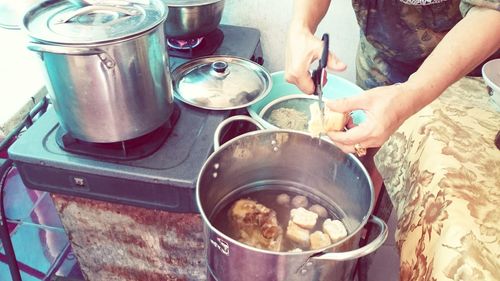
<point x="467" y="44"/>
<point x="303" y="47"/>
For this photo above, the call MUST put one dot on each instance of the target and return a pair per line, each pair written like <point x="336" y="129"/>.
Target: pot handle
<point x="354" y="254"/>
<point x="44" y="48"/>
<point x="106" y="59"/>
<point x="223" y="124"/>
<point x="363" y="251"/>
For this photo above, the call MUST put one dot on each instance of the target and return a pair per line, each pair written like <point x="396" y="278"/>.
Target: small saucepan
<point x="189" y="19"/>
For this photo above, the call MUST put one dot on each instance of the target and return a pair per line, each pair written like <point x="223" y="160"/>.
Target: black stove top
<point x="163" y="180"/>
<point x="238" y="41"/>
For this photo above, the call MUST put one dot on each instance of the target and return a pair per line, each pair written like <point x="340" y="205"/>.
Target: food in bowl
<point x="332" y="121"/>
<point x="289" y="118"/>
<point x="303" y="114"/>
<point x="491" y="75"/>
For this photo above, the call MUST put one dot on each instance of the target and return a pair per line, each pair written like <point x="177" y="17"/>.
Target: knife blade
<point x="321" y="104"/>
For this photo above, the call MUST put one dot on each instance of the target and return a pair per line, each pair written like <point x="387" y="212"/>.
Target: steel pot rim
<point x="109" y="43"/>
<point x="69" y="39"/>
<point x="105" y="43"/>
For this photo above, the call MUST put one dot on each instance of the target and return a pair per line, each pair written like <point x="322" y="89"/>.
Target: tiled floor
<point x="40" y="244"/>
<point x="42" y="247"/>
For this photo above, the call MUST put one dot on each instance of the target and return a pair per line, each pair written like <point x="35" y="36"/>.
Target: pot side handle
<point x="223" y="124"/>
<point x="41" y="48"/>
<point x="45" y="48"/>
<point x="363" y="251"/>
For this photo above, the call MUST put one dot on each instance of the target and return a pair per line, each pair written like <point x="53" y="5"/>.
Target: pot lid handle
<point x="350" y="255"/>
<point x="108" y="2"/>
<point x="219" y="66"/>
<point x="93" y="9"/>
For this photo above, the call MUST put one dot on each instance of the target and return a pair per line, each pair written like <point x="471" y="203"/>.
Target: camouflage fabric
<point x="397" y="37"/>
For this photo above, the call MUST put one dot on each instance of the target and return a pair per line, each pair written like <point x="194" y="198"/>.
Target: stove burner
<point x="207" y="46"/>
<point x="184" y="44"/>
<point x="123" y="150"/>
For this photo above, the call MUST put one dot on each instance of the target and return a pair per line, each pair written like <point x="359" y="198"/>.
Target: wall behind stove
<point x="272" y="19"/>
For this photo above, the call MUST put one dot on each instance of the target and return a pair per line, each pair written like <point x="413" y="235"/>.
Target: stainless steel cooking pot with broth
<point x="189" y="19"/>
<point x="284" y="161"/>
<point x="106" y="66"/>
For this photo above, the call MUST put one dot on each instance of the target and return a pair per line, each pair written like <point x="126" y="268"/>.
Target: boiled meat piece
<point x="283" y="199"/>
<point x="319" y="240"/>
<point x="335" y="229"/>
<point x="320" y="210"/>
<point x="298" y="235"/>
<point x="255" y="225"/>
<point x="303" y="218"/>
<point x="300" y="201"/>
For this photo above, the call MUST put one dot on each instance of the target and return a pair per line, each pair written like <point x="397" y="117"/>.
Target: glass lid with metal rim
<point x="221" y="82"/>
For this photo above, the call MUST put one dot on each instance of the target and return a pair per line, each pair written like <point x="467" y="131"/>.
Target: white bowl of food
<point x="491" y="75"/>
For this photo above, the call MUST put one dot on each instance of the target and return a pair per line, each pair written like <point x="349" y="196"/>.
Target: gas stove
<point x="195" y="47"/>
<point x="237" y="41"/>
<point x="165" y="179"/>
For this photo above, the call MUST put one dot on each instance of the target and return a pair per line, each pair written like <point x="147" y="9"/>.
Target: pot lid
<point x="68" y="22"/>
<point x="186" y="3"/>
<point x="221" y="82"/>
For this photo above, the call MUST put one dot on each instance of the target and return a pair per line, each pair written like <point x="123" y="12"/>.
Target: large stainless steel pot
<point x="285" y="158"/>
<point x="106" y="66"/>
<point x="188" y="19"/>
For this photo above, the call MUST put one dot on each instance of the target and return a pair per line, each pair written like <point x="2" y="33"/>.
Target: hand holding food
<point x="332" y="121"/>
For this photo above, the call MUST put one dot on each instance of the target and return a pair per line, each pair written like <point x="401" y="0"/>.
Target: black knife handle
<point x="315" y="76"/>
<point x="324" y="56"/>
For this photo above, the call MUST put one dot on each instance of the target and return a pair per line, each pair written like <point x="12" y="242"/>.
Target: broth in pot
<point x="278" y="219"/>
